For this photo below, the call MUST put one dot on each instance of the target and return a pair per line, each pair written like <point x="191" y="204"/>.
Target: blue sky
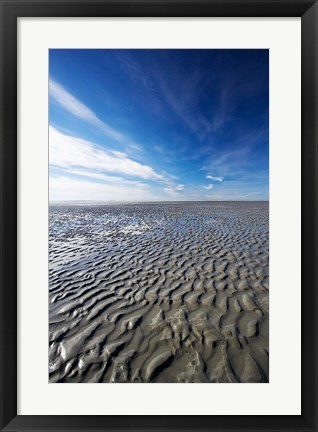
<point x="151" y="125"/>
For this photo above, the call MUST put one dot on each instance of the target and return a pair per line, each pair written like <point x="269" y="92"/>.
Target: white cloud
<point x="217" y="179"/>
<point x="103" y="177"/>
<point x="171" y="191"/>
<point x="83" y="171"/>
<point x="209" y="187"/>
<point x="78" y="109"/>
<point x="174" y="190"/>
<point x="179" y="187"/>
<point x="73" y="153"/>
<point x="64" y="188"/>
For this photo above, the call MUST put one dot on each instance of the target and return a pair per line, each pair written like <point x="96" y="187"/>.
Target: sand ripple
<point x="171" y="292"/>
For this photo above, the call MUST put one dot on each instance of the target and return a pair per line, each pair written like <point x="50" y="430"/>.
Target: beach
<point x="174" y="292"/>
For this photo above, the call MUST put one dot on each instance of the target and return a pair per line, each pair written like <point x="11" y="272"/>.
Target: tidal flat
<point x="174" y="292"/>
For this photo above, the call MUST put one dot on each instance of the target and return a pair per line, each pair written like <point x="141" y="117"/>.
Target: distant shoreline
<point x="54" y="203"/>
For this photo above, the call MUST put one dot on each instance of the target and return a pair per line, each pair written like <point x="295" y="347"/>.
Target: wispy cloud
<point x="81" y="158"/>
<point x="216" y="179"/>
<point x="173" y="190"/>
<point x="103" y="177"/>
<point x="135" y="71"/>
<point x="208" y="187"/>
<point x="180" y="94"/>
<point x="180" y="90"/>
<point x="143" y="82"/>
<point x="69" y="152"/>
<point x="71" y="104"/>
<point x="64" y="187"/>
<point x="238" y="158"/>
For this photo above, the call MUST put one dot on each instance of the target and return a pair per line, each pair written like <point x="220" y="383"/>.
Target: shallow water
<point x="164" y="292"/>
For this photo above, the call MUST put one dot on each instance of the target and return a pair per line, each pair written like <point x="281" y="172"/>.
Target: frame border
<point x="10" y="10"/>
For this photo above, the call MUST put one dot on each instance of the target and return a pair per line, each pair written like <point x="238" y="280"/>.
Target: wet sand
<point x="159" y="292"/>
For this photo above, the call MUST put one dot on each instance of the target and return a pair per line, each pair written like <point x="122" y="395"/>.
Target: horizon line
<point x="146" y="202"/>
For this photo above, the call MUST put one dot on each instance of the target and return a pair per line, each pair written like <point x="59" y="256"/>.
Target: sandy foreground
<point x="164" y="292"/>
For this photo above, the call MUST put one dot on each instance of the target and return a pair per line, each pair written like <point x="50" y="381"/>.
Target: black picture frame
<point x="10" y="11"/>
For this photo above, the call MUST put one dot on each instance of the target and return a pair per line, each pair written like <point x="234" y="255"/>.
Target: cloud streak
<point x="63" y="187"/>
<point x="103" y="177"/>
<point x="70" y="152"/>
<point x="216" y="179"/>
<point x="81" y="158"/>
<point x="71" y="104"/>
<point x="209" y="187"/>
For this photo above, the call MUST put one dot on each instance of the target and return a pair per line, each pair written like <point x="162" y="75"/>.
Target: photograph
<point x="158" y="216"/>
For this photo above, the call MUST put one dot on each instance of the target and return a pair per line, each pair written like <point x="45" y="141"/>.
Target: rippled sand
<point x="167" y="292"/>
